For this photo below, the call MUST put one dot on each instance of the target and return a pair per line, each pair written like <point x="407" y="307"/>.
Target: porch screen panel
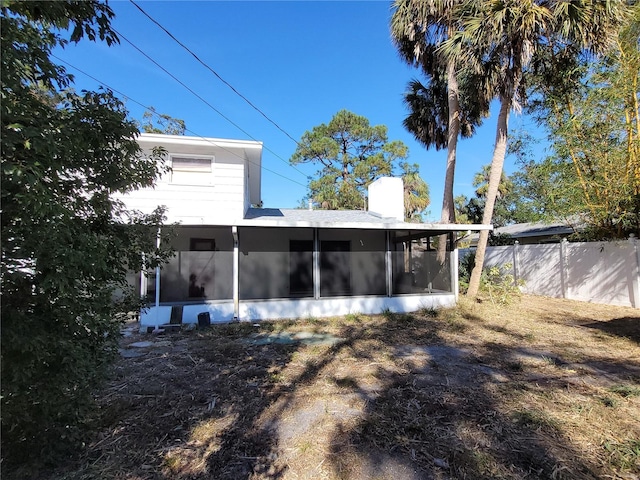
<point x="202" y="268"/>
<point x="335" y="268"/>
<point x="352" y="262"/>
<point x="415" y="266"/>
<point x="275" y="263"/>
<point x="301" y="268"/>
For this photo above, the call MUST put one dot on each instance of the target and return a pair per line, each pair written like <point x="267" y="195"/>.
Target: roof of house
<point x="283" y="217"/>
<point x="532" y="230"/>
<point x="537" y="229"/>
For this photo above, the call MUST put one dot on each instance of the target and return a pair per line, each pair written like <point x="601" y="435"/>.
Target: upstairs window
<point x="191" y="170"/>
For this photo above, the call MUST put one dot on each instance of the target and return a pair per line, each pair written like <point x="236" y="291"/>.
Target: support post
<point x="388" y="263"/>
<point x="453" y="261"/>
<point x="316" y="264"/>
<point x="144" y="280"/>
<point x="158" y="279"/>
<point x="236" y="274"/>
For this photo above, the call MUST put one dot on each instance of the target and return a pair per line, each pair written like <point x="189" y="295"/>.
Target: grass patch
<point x="452" y="321"/>
<point x="624" y="455"/>
<point x="609" y="402"/>
<point x="352" y="318"/>
<point x="626" y="390"/>
<point x="535" y="419"/>
<point x="429" y="312"/>
<point x="454" y="393"/>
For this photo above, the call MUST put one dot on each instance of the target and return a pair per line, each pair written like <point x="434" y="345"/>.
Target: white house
<point x="234" y="261"/>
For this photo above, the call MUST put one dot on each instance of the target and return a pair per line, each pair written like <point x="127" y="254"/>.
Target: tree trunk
<point x="448" y="209"/>
<point x="497" y="162"/>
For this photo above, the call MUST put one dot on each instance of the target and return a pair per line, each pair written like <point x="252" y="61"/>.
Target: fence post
<point x="454" y="262"/>
<point x="516" y="260"/>
<point x="635" y="275"/>
<point x="564" y="287"/>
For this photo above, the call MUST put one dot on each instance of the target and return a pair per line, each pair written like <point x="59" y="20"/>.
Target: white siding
<point x="224" y="200"/>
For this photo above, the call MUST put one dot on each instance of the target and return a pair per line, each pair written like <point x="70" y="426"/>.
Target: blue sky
<point x="299" y="62"/>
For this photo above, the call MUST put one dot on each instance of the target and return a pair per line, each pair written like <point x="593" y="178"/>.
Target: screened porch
<point x="298" y="263"/>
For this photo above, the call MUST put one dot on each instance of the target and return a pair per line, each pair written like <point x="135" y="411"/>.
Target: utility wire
<point x="203" y="100"/>
<point x="211" y="70"/>
<point x="208" y="140"/>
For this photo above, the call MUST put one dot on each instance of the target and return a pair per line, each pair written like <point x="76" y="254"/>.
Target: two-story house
<point x="239" y="262"/>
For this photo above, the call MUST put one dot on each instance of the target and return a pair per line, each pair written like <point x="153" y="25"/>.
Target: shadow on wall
<point x="601" y="272"/>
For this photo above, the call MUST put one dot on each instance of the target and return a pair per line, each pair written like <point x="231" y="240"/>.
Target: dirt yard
<point x="541" y="388"/>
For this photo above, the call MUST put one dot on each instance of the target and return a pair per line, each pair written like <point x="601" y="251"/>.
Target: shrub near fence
<point x="599" y="272"/>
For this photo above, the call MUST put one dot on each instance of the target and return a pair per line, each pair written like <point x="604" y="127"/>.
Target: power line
<point x="203" y="100"/>
<point x="212" y="70"/>
<point x="208" y="140"/>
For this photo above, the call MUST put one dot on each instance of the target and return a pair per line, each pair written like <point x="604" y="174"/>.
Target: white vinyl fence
<point x="599" y="272"/>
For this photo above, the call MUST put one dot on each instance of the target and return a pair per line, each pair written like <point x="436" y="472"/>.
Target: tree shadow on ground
<point x="395" y="398"/>
<point x="626" y="327"/>
<point x="441" y="418"/>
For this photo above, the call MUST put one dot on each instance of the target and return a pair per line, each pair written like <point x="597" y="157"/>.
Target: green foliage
<point x="500" y="239"/>
<point x="516" y="202"/>
<point x="626" y="390"/>
<point x="501" y="41"/>
<point x="154" y="122"/>
<point x="592" y="115"/>
<point x="497" y="283"/>
<point x="625" y="455"/>
<point x="465" y="268"/>
<point x="67" y="245"/>
<point x="416" y="192"/>
<point x="446" y="105"/>
<point x="428" y="118"/>
<point x="468" y="210"/>
<point x="352" y="154"/>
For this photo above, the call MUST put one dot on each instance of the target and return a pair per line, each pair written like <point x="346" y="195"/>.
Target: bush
<point x="496" y="283"/>
<point x="67" y="245"/>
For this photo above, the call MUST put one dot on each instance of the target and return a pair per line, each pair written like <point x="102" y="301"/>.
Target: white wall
<point x="224" y="199"/>
<point x="279" y="309"/>
<point x="329" y="307"/>
<point x="599" y="272"/>
<point x="386" y="198"/>
<point x="539" y="267"/>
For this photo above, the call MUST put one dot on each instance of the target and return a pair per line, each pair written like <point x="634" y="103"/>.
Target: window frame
<point x="194" y="242"/>
<point x="199" y="173"/>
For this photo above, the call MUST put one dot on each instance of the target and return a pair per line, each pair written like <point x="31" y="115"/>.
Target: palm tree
<point x="481" y="182"/>
<point x="498" y="38"/>
<point x="418" y="28"/>
<point x="416" y="192"/>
